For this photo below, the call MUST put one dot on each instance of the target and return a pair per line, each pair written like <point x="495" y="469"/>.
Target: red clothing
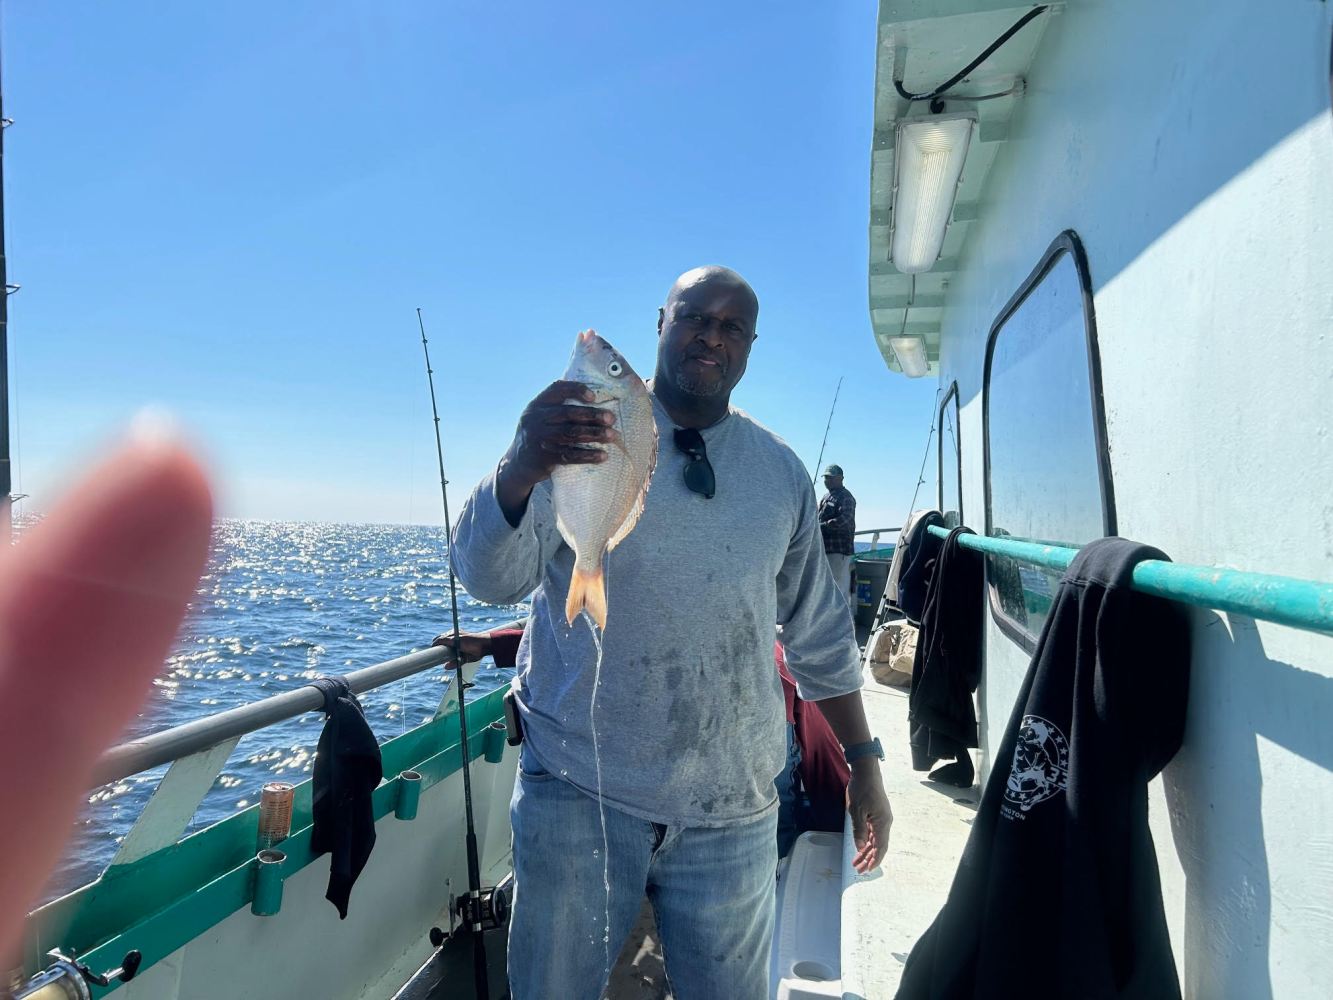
<point x="504" y="646"/>
<point x="823" y="770"/>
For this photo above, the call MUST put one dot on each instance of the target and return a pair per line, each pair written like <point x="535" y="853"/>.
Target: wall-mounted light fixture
<point x="911" y="354"/>
<point x="928" y="162"/>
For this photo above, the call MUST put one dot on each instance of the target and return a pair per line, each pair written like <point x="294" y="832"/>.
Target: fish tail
<point x="587" y="589"/>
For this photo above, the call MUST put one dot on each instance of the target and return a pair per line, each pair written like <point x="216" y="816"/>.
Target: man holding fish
<point x="662" y="534"/>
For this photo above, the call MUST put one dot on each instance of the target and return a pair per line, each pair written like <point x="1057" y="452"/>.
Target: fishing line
<point x="597" y="759"/>
<point x="921" y="475"/>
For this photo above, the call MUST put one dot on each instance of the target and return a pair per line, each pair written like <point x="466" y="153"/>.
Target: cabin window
<point x="949" y="461"/>
<point x="1047" y="469"/>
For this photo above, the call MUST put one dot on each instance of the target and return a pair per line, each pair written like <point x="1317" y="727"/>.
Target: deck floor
<point x="885" y="912"/>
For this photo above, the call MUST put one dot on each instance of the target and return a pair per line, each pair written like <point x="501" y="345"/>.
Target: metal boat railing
<point x="201" y="734"/>
<point x="1303" y="604"/>
<point x="874" y="534"/>
<point x="199" y="750"/>
<point x="160" y="890"/>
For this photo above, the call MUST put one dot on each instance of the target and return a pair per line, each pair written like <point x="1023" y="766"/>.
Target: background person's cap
<point x="833" y="470"/>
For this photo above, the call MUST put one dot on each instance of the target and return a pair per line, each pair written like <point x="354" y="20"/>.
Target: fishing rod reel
<point x="486" y="909"/>
<point x="68" y="978"/>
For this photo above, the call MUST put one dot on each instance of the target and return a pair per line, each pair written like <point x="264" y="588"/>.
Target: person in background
<point x="837" y="522"/>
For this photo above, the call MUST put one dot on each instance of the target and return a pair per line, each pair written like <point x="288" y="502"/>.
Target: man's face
<point x="832" y="482"/>
<point x="704" y="337"/>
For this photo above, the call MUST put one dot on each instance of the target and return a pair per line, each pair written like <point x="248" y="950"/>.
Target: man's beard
<point x="697" y="387"/>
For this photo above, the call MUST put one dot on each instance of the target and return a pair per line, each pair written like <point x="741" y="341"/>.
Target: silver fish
<point x="597" y="505"/>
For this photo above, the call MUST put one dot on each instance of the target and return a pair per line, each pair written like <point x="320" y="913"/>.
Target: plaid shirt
<point x="837" y="520"/>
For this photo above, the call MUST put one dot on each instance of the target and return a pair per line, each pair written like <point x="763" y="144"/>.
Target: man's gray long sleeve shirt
<point x="689" y="714"/>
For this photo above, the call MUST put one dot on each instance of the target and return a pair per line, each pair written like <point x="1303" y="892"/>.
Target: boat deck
<point x="883" y="913"/>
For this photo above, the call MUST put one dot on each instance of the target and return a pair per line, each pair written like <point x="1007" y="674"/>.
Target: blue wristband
<point x="858" y="750"/>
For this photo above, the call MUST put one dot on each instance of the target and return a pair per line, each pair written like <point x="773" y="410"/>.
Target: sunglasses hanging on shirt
<point x="699" y="477"/>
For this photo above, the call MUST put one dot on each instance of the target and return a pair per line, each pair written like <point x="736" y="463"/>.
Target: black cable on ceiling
<point x="990" y="49"/>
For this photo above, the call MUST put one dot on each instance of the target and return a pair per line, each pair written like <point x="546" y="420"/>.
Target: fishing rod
<point x="481" y="909"/>
<point x="814" y="475"/>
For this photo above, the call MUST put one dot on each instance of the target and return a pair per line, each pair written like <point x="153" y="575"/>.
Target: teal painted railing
<point x="161" y="902"/>
<point x="1304" y="604"/>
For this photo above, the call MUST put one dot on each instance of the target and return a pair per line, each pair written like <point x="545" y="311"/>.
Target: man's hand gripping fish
<point x="597" y="505"/>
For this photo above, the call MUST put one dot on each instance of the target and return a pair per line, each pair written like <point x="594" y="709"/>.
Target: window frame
<point x="1067" y="242"/>
<point x="950" y="396"/>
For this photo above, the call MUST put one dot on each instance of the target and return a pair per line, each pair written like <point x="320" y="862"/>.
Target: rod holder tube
<point x="268" y="883"/>
<point x="409" y="795"/>
<point x="494" y="743"/>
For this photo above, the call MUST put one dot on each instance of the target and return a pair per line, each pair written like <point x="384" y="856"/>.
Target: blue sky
<point x="232" y="211"/>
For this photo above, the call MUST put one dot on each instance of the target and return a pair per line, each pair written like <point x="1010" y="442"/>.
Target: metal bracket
<point x="129" y="968"/>
<point x="449" y="702"/>
<point x="174" y="803"/>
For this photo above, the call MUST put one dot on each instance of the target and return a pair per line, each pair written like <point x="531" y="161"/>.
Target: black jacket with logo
<point x="1058" y="892"/>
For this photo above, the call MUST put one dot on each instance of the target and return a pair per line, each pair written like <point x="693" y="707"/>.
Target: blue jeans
<point x="787" y="793"/>
<point x="711" y="889"/>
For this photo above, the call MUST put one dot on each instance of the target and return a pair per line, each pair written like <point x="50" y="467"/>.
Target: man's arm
<point x="501" y="644"/>
<point x="821" y="654"/>
<point x="867" y="802"/>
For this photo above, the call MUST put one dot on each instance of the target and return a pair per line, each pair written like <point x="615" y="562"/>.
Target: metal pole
<point x="6" y="482"/>
<point x="181" y="741"/>
<point x="1287" y="600"/>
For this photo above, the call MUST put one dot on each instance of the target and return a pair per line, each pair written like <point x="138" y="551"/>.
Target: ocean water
<point x="282" y="604"/>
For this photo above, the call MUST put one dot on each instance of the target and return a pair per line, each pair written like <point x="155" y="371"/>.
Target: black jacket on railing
<point x="1058" y="893"/>
<point x="347" y="770"/>
<point x="947" y="668"/>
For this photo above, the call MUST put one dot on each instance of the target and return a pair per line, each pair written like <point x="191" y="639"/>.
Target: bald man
<point x="666" y="783"/>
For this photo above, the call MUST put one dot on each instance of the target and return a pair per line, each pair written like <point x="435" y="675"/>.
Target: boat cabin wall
<point x="1189" y="146"/>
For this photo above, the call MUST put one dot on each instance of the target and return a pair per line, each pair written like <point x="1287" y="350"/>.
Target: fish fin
<point x="632" y="518"/>
<point x="587" y="590"/>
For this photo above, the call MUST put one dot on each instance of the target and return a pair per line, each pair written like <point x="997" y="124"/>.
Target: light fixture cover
<point x="911" y="355"/>
<point x="929" y="154"/>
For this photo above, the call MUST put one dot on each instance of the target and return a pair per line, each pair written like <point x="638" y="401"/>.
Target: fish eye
<point x="614" y="368"/>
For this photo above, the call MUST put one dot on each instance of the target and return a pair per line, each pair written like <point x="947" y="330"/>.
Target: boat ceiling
<point x="926" y="42"/>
